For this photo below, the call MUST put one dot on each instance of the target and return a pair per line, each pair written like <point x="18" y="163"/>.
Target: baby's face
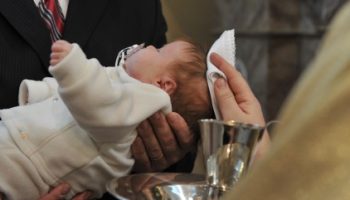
<point x="149" y="63"/>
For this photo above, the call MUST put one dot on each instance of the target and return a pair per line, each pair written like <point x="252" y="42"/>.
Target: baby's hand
<point x="59" y="50"/>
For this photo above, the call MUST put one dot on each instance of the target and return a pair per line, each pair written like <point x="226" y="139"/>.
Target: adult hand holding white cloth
<point x="225" y="46"/>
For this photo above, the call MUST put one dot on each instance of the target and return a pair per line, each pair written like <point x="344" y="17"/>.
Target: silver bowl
<point x="162" y="186"/>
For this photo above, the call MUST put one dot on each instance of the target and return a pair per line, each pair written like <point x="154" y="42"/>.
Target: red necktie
<point x="51" y="12"/>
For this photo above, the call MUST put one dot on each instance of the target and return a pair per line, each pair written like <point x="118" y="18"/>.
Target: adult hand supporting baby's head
<point x="162" y="141"/>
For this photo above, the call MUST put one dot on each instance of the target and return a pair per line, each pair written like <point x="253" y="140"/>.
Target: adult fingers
<point x="237" y="83"/>
<point x="57" y="193"/>
<point x="83" y="196"/>
<point x="185" y="138"/>
<point x="262" y="147"/>
<point x="137" y="183"/>
<point x="152" y="146"/>
<point x="245" y="99"/>
<point x="240" y="104"/>
<point x="142" y="162"/>
<point x="166" y="138"/>
<point x="226" y="101"/>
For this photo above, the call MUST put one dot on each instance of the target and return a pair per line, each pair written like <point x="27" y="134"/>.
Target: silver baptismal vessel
<point x="227" y="149"/>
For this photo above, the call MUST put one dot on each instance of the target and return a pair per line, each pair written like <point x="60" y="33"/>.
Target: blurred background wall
<point x="276" y="39"/>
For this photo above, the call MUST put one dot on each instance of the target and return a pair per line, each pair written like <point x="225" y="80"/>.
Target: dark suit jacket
<point x="100" y="27"/>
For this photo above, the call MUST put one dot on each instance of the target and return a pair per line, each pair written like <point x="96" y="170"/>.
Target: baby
<point x="78" y="127"/>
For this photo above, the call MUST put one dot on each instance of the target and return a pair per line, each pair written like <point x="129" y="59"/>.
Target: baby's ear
<point x="167" y="84"/>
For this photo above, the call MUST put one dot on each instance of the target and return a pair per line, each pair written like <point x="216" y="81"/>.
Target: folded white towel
<point x="224" y="46"/>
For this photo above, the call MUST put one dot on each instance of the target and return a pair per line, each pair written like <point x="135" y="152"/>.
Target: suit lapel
<point x="24" y="17"/>
<point x="82" y="18"/>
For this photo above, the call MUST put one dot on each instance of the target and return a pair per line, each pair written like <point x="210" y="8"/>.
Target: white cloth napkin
<point x="225" y="46"/>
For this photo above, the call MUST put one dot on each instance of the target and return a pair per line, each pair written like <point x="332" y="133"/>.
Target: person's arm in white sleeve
<point x="32" y="91"/>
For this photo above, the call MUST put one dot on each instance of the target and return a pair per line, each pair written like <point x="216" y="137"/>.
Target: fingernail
<point x="215" y="58"/>
<point x="65" y="188"/>
<point x="220" y="83"/>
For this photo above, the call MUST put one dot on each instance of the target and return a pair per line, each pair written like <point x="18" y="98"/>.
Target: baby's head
<point x="179" y="69"/>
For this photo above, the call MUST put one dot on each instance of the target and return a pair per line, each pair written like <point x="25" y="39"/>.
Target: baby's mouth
<point x="133" y="49"/>
<point x="127" y="52"/>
